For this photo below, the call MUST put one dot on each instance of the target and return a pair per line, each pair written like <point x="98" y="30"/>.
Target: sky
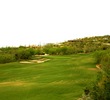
<point x="36" y="22"/>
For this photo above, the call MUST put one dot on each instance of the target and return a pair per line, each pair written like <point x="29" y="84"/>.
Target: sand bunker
<point x="35" y="61"/>
<point x="25" y="62"/>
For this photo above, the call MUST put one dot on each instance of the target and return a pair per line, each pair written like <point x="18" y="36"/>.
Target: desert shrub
<point x="101" y="56"/>
<point x="101" y="88"/>
<point x="23" y="54"/>
<point x="39" y="51"/>
<point x="15" y="54"/>
<point x="6" y="58"/>
<point x="98" y="56"/>
<point x="32" y="51"/>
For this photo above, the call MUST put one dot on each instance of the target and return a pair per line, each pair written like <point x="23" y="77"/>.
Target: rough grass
<point x="60" y="78"/>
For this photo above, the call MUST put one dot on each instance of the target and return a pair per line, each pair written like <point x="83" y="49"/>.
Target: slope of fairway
<point x="60" y="78"/>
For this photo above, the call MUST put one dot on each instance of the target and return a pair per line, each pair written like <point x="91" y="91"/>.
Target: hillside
<point x="81" y="45"/>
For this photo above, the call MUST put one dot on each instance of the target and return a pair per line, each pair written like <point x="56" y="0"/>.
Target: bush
<point x="23" y="54"/>
<point x="101" y="88"/>
<point x="13" y="54"/>
<point x="98" y="56"/>
<point x="6" y="58"/>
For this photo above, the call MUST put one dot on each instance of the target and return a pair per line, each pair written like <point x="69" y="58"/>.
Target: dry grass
<point x="93" y="69"/>
<point x="15" y="83"/>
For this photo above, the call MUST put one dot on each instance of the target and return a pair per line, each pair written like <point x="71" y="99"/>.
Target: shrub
<point x="101" y="88"/>
<point x="6" y="58"/>
<point x="23" y="54"/>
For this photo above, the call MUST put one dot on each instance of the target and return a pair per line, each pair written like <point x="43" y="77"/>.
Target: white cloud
<point x="40" y="21"/>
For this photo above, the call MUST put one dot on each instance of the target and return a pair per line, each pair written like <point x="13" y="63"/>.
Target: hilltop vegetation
<point x="82" y="45"/>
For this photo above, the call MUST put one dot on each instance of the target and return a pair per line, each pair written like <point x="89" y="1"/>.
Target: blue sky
<point x="27" y="22"/>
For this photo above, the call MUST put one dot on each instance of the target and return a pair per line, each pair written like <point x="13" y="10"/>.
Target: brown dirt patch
<point x="94" y="69"/>
<point x="61" y="82"/>
<point x="98" y="66"/>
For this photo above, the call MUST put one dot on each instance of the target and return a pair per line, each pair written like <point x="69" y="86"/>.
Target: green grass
<point x="60" y="78"/>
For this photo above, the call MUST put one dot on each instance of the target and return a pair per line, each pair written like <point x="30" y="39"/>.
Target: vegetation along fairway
<point x="60" y="78"/>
